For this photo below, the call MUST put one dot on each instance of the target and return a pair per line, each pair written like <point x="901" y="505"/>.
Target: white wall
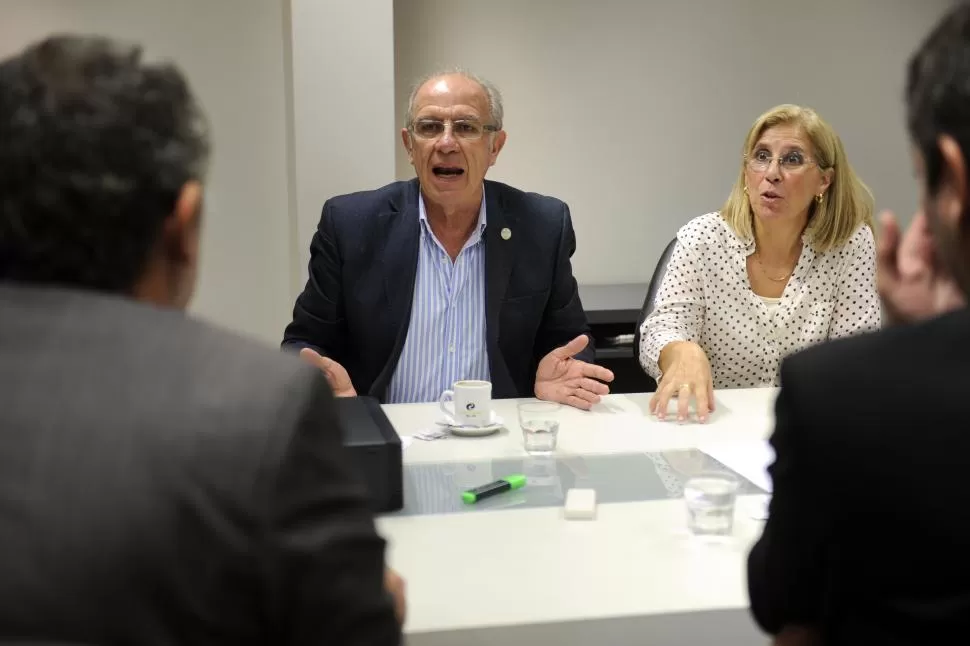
<point x="635" y="112"/>
<point x="300" y="94"/>
<point x="233" y="54"/>
<point x="343" y="100"/>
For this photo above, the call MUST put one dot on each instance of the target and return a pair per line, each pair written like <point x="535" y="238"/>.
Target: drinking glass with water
<point x="710" y="498"/>
<point x="540" y="426"/>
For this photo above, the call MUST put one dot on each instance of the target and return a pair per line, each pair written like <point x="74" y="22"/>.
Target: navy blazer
<point x="356" y="306"/>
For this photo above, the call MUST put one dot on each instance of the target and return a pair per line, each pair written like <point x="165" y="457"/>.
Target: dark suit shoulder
<point x="548" y="209"/>
<point x="187" y="344"/>
<point x="178" y="375"/>
<point x="886" y="378"/>
<point x="263" y="392"/>
<point x="885" y="355"/>
<point x="393" y="196"/>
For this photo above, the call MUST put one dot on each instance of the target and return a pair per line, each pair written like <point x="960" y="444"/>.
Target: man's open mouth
<point x="448" y="171"/>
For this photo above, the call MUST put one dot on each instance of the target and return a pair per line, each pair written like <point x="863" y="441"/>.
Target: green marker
<point x="486" y="491"/>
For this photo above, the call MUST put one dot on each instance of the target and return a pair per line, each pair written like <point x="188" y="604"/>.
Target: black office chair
<point x="651" y="298"/>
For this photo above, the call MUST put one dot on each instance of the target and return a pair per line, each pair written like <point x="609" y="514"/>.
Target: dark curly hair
<point x="938" y="90"/>
<point x="95" y="146"/>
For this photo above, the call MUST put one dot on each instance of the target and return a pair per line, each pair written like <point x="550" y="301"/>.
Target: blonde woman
<point x="788" y="262"/>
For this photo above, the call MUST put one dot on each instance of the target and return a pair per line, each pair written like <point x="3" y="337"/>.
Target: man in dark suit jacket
<point x="448" y="276"/>
<point x="867" y="537"/>
<point x="161" y="482"/>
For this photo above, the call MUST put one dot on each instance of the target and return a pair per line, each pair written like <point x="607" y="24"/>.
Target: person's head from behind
<point x="453" y="135"/>
<point x="101" y="165"/>
<point x="938" y="117"/>
<point x="794" y="168"/>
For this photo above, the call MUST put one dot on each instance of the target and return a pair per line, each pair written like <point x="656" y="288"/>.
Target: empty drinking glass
<point x="540" y="426"/>
<point x="710" y="500"/>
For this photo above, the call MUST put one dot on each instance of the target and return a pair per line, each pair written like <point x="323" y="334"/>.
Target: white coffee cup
<point x="470" y="402"/>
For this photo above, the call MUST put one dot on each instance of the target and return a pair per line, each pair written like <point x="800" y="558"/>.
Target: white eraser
<point x="580" y="504"/>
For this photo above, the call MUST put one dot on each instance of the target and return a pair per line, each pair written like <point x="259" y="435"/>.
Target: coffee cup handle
<point x="448" y="397"/>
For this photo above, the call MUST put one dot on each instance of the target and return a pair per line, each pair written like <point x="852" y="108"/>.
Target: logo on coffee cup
<point x="470" y="406"/>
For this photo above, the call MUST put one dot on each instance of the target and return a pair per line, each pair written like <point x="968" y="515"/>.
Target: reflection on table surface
<point x="435" y="488"/>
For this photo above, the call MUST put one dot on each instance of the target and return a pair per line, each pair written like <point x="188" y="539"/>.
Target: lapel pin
<point x="506" y="233"/>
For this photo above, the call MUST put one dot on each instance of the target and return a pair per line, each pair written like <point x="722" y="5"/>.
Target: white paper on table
<point x="750" y="459"/>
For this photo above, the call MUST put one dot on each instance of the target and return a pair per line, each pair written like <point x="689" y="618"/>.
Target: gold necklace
<point x="757" y="259"/>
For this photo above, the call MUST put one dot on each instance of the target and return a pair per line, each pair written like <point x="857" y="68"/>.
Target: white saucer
<point x="495" y="423"/>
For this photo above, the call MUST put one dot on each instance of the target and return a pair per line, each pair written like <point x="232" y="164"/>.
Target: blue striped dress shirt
<point x="446" y="334"/>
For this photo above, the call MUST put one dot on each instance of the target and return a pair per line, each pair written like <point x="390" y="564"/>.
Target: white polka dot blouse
<point x="706" y="297"/>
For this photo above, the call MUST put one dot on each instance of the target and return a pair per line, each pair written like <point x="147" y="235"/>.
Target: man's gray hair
<point x="491" y="92"/>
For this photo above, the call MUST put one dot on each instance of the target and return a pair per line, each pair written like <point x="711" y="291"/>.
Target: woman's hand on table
<point x="686" y="376"/>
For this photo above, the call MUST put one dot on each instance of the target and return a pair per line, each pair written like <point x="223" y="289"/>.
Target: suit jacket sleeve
<point x="787" y="566"/>
<point x="325" y="558"/>
<point x="564" y="318"/>
<point x="318" y="315"/>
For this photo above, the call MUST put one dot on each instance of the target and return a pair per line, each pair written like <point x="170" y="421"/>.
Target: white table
<point x="527" y="576"/>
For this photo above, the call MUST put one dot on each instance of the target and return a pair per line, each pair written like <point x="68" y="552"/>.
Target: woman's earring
<point x="745" y="190"/>
<point x="818" y="198"/>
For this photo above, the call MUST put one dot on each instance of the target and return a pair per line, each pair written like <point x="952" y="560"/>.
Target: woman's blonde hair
<point x="847" y="203"/>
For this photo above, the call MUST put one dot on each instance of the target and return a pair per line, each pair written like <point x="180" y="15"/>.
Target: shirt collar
<point x="476" y="234"/>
